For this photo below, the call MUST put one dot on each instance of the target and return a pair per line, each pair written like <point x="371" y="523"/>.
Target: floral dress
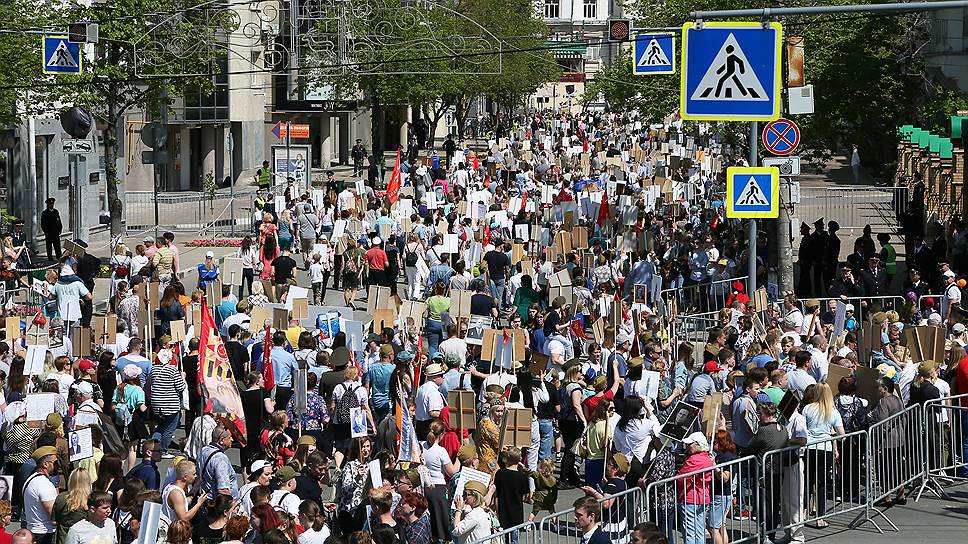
<point x="487" y="449"/>
<point x="349" y="487"/>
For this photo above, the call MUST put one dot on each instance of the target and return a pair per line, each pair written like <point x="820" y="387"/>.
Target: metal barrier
<point x="683" y="505"/>
<point x="862" y="305"/>
<point x="620" y="512"/>
<point x="812" y="483"/>
<point x="946" y="431"/>
<point x="559" y="528"/>
<point x="526" y="533"/>
<point x="855" y="207"/>
<point x="190" y="210"/>
<point x="896" y="460"/>
<point x="701" y="298"/>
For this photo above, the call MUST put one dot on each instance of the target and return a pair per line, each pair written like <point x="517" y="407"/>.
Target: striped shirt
<point x="165" y="383"/>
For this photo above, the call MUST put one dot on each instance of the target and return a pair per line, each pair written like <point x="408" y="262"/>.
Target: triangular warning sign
<point x="752" y="195"/>
<point x="653" y="56"/>
<point x="62" y="57"/>
<point x="730" y="77"/>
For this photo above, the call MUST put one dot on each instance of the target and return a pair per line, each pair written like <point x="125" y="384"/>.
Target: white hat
<point x="377" y="241"/>
<point x="898" y="325"/>
<point x="697" y="438"/>
<point x="434" y="369"/>
<point x="958" y="328"/>
<point x="949" y="274"/>
<point x="934" y="317"/>
<point x="209" y="255"/>
<point x="844" y="351"/>
<point x="850" y="308"/>
<point x="85" y="388"/>
<point x="622" y="338"/>
<point x="257" y="466"/>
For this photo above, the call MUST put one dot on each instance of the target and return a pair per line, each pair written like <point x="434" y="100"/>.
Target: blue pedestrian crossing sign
<point x="61" y="56"/>
<point x="731" y="71"/>
<point x="654" y="54"/>
<point x="753" y="192"/>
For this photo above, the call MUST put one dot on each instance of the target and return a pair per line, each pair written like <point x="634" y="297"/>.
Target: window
<point x="552" y="9"/>
<point x="590" y="10"/>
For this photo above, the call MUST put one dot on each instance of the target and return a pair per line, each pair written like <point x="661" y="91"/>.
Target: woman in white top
<point x="413" y="248"/>
<point x="438" y="464"/>
<point x="823" y="422"/>
<point x="249" y="256"/>
<point x="636" y="427"/>
<point x="312" y="519"/>
<point x="472" y="522"/>
<point x="174" y="498"/>
<point x="120" y="267"/>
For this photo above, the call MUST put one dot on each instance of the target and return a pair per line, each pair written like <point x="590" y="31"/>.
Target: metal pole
<point x="751" y="265"/>
<point x="766" y="13"/>
<point x="160" y="150"/>
<point x="74" y="167"/>
<point x="231" y="180"/>
<point x="288" y="160"/>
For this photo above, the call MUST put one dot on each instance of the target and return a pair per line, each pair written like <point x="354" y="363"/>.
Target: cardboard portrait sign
<point x="280" y="318"/>
<point x="383" y="318"/>
<point x="517" y="253"/>
<point x="232" y="270"/>
<point x="378" y="298"/>
<point x="258" y="317"/>
<point x="866" y="380"/>
<point x="269" y="290"/>
<point x="563" y="242"/>
<point x="72" y="248"/>
<point x="835" y="373"/>
<point x="105" y="329"/>
<point x="711" y="406"/>
<point x="527" y="267"/>
<point x="213" y="293"/>
<point x="462" y="407"/>
<point x="579" y="237"/>
<point x="12" y="326"/>
<point x="178" y="330"/>
<point x="503" y="347"/>
<point x="760" y="301"/>
<point x="153" y="295"/>
<point x="516" y="428"/>
<point x="460" y="303"/>
<point x="598" y="330"/>
<point x="413" y="310"/>
<point x="81" y="342"/>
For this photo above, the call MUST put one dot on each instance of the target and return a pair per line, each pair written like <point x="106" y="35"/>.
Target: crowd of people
<point x="554" y="230"/>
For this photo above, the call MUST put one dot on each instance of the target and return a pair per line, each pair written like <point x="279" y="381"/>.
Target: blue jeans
<point x="546" y="429"/>
<point x="694" y="523"/>
<point x="165" y="428"/>
<point x="511" y="538"/>
<point x="435" y="335"/>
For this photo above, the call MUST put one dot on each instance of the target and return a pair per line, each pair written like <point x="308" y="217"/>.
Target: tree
<point x="173" y="38"/>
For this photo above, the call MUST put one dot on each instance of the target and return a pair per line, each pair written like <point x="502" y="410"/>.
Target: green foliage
<point x="867" y="77"/>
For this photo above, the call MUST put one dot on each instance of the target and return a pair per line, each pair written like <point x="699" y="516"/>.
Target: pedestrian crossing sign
<point x="731" y="71"/>
<point x="753" y="192"/>
<point x="61" y="56"/>
<point x="654" y="54"/>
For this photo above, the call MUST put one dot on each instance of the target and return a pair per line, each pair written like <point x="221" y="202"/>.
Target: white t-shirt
<point x="64" y="382"/>
<point x="286" y="500"/>
<point x="309" y="536"/>
<point x="39" y="489"/>
<point x="245" y="503"/>
<point x="435" y="459"/>
<point x="428" y="399"/>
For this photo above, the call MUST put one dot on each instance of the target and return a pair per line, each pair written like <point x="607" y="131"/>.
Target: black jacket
<point x="50" y="222"/>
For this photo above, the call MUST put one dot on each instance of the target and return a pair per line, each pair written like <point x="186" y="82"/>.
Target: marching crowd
<point x="554" y="230"/>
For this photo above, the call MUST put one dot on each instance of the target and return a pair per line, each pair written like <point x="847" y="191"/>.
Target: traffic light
<point x="618" y="29"/>
<point x="154" y="135"/>
<point x="82" y="32"/>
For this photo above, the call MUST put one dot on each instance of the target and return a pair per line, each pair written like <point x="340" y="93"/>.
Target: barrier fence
<point x="702" y="297"/>
<point x="772" y="497"/>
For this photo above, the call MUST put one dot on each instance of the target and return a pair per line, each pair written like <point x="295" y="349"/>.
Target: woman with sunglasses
<point x="472" y="520"/>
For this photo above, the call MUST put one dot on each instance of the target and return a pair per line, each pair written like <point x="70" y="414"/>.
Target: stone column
<point x="325" y="141"/>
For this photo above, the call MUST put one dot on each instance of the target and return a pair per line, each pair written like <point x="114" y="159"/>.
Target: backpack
<point x="345" y="405"/>
<point x="567" y="411"/>
<point x="853" y="414"/>
<point x="122" y="271"/>
<point x="122" y="413"/>
<point x="410" y="259"/>
<point x="351" y="265"/>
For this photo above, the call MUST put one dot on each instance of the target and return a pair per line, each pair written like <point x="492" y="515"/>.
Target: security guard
<point x="264" y="176"/>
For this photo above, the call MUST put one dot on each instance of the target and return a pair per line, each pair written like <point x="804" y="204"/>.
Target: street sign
<point x="61" y="56"/>
<point x="295" y="130"/>
<point x="654" y="54"/>
<point x="731" y="71"/>
<point x="788" y="166"/>
<point x="781" y="137"/>
<point x="752" y="192"/>
<point x="78" y="146"/>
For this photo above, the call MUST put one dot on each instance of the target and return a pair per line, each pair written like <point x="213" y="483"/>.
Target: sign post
<point x="781" y="137"/>
<point x="654" y="54"/>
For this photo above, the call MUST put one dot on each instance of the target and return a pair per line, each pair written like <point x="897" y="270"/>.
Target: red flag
<point x="584" y="145"/>
<point x="603" y="211"/>
<point x="577" y="329"/>
<point x="393" y="188"/>
<point x="486" y="239"/>
<point x="218" y="386"/>
<point x="416" y="362"/>
<point x="524" y="201"/>
<point x="268" y="374"/>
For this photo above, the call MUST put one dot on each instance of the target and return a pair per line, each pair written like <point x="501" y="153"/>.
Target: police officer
<point x="264" y="176"/>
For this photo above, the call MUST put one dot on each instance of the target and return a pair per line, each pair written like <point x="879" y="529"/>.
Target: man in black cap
<point x="50" y="223"/>
<point x="831" y="253"/>
<point x="19" y="238"/>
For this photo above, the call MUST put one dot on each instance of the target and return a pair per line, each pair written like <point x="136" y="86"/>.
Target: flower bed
<point x="215" y="242"/>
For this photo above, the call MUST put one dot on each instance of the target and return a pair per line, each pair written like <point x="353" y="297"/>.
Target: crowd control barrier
<point x="774" y="496"/>
<point x="700" y="298"/>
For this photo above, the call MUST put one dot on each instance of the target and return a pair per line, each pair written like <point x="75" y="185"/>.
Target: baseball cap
<point x="257" y="466"/>
<point x="844" y="351"/>
<point x="949" y="274"/>
<point x="958" y="328"/>
<point x="623" y="337"/>
<point x="209" y="254"/>
<point x="697" y="438"/>
<point x="712" y="366"/>
<point x="285" y="474"/>
<point x="86" y="364"/>
<point x="85" y="388"/>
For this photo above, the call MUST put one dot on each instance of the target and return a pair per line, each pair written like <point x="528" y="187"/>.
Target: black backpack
<point x="345" y="405"/>
<point x="410" y="259"/>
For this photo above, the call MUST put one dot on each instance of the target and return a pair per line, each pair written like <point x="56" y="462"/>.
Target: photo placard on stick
<point x="280" y="318"/>
<point x="382" y="319"/>
<point x="258" y="317"/>
<point x="503" y="346"/>
<point x="680" y="421"/>
<point x="378" y="298"/>
<point x="460" y="303"/>
<point x="516" y="428"/>
<point x="232" y="270"/>
<point x="81" y="342"/>
<point x="80" y="444"/>
<point x="105" y="329"/>
<point x="414" y="310"/>
<point x="178" y="330"/>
